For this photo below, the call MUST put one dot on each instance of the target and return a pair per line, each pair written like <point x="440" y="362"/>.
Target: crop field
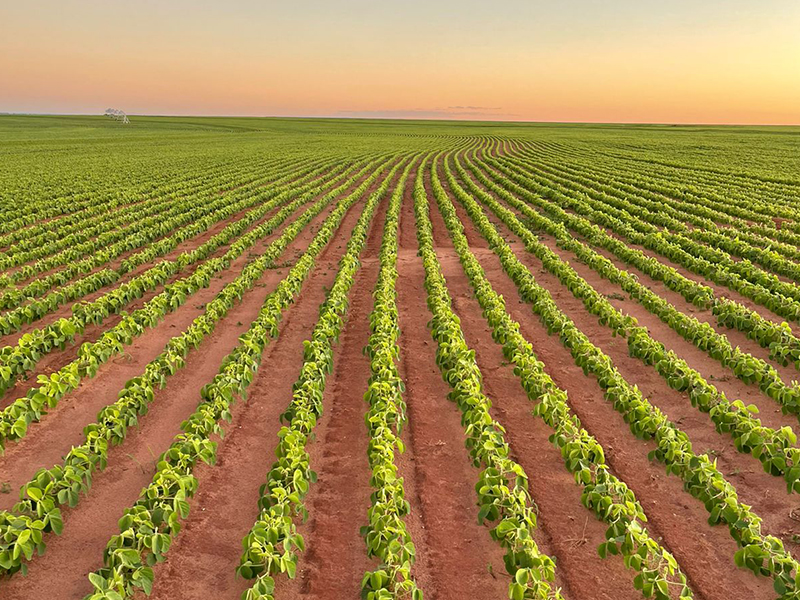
<point x="298" y="358"/>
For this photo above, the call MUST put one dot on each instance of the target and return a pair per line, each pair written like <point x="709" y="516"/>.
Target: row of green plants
<point x="33" y="215"/>
<point x="753" y="236"/>
<point x="688" y="207"/>
<point x="16" y="361"/>
<point x="747" y="269"/>
<point x="682" y="218"/>
<point x="783" y="346"/>
<point x="194" y="218"/>
<point x="289" y="185"/>
<point x="271" y="547"/>
<point x="749" y="243"/>
<point x="148" y="528"/>
<point x="699" y="182"/>
<point x="698" y="294"/>
<point x="613" y="502"/>
<point x="523" y="187"/>
<point x="212" y="179"/>
<point x="746" y="367"/>
<point x="776" y="449"/>
<point x="747" y="217"/>
<point x="82" y="238"/>
<point x="71" y="233"/>
<point x="69" y="196"/>
<point x="742" y="276"/>
<point x="189" y="217"/>
<point x="731" y="200"/>
<point x="73" y="236"/>
<point x="502" y="487"/>
<point x="35" y="309"/>
<point x="164" y="184"/>
<point x="728" y="189"/>
<point x="762" y="554"/>
<point x="16" y="418"/>
<point x="50" y="488"/>
<point x="386" y="535"/>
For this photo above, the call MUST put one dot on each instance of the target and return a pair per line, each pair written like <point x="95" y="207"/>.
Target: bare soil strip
<point x="339" y="501"/>
<point x="457" y="557"/>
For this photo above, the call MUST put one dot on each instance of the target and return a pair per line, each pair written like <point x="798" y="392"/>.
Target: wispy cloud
<point x="476" y="108"/>
<point x="429" y="113"/>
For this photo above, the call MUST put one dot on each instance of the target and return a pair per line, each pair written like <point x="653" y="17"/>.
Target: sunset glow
<point x="717" y="61"/>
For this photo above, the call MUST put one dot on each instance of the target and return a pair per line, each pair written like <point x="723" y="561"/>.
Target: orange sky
<point x="641" y="61"/>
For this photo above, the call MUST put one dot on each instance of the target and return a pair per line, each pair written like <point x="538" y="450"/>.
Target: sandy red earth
<point x="456" y="557"/>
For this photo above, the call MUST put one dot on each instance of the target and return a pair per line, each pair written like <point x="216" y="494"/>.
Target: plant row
<point x="502" y="487"/>
<point x="776" y="449"/>
<point x="759" y="553"/>
<point x="191" y="216"/>
<point x="35" y="247"/>
<point x="784" y="347"/>
<point x="781" y="305"/>
<point x="34" y="309"/>
<point x="386" y="534"/>
<point x="658" y="574"/>
<point x="753" y="224"/>
<point x="148" y="527"/>
<point x="63" y="484"/>
<point x="679" y="191"/>
<point x="17" y="360"/>
<point x="272" y="544"/>
<point x="15" y="419"/>
<point x="205" y="183"/>
<point x="741" y="276"/>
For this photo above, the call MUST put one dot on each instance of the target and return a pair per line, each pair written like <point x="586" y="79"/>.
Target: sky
<point x="677" y="61"/>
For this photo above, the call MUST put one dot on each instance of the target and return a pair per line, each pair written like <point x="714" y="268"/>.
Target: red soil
<point x="62" y="570"/>
<point x="227" y="504"/>
<point x="59" y="358"/>
<point x="565" y="529"/>
<point x="704" y="553"/>
<point x="456" y="557"/>
<point x="438" y="471"/>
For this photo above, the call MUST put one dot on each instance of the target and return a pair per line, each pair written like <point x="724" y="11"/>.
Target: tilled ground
<point x="456" y="556"/>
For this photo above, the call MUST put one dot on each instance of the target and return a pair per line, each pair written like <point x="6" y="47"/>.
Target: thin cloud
<point x="480" y="108"/>
<point x="427" y="113"/>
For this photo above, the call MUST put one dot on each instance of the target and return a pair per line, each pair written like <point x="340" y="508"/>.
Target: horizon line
<point x="399" y="118"/>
